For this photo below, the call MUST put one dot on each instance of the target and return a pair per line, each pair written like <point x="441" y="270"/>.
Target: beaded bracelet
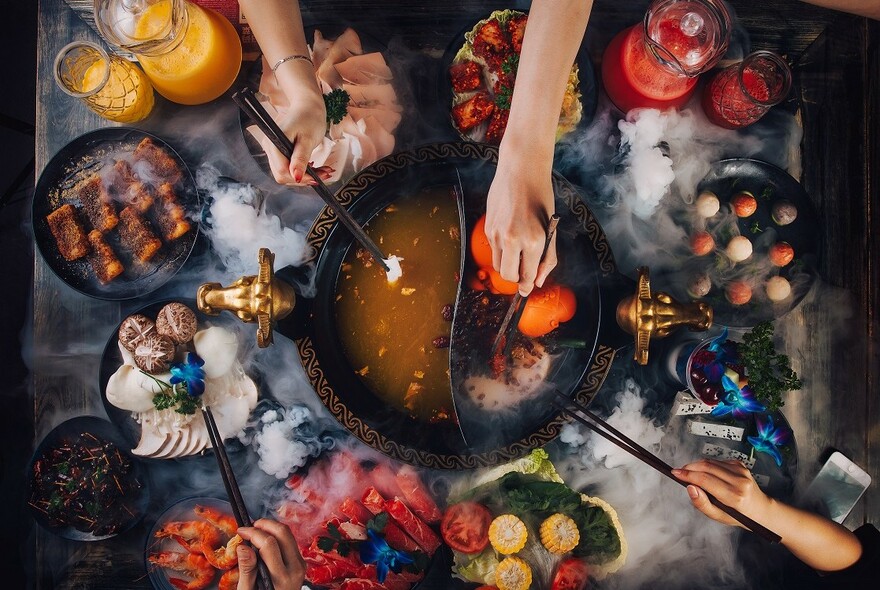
<point x="290" y="57"/>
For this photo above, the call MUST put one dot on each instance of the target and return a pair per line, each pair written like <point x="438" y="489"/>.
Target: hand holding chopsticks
<point x="581" y="414"/>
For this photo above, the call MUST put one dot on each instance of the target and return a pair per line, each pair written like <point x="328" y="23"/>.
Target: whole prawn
<point x="193" y="565"/>
<point x="195" y="536"/>
<point x="224" y="557"/>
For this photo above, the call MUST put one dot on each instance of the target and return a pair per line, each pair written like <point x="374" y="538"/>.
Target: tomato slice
<point x="465" y="527"/>
<point x="571" y="574"/>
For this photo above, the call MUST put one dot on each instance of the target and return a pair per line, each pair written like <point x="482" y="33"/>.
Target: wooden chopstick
<point x="239" y="509"/>
<point x="248" y="103"/>
<point x="602" y="428"/>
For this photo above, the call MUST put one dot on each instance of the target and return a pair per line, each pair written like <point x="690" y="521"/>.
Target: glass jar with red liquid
<point x="740" y="94"/>
<point x="656" y="63"/>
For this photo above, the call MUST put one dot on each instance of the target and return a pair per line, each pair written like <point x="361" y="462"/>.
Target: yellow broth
<point x="391" y="332"/>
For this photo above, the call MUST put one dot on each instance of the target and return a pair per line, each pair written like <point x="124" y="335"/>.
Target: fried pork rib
<point x="472" y="112"/>
<point x="466" y="76"/>
<point x="497" y="125"/>
<point x="491" y="41"/>
<point x="516" y="27"/>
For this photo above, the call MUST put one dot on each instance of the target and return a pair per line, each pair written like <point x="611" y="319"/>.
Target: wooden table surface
<point x="837" y="78"/>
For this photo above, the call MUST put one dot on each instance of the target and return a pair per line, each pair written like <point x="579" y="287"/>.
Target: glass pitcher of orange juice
<point x="191" y="54"/>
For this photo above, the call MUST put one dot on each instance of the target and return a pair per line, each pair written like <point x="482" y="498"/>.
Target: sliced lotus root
<point x="154" y="353"/>
<point x="134" y="329"/>
<point x="177" y="321"/>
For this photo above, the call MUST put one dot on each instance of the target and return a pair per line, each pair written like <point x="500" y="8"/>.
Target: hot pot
<point x="586" y="266"/>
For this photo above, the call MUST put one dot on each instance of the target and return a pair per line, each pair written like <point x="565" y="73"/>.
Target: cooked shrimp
<point x="225" y="557"/>
<point x="224" y="522"/>
<point x="229" y="580"/>
<point x="194" y="535"/>
<point x="194" y="566"/>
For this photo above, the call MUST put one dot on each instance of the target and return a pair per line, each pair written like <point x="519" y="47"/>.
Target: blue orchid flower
<point x="376" y="550"/>
<point x="191" y="373"/>
<point x="770" y="438"/>
<point x="722" y="352"/>
<point x="736" y="402"/>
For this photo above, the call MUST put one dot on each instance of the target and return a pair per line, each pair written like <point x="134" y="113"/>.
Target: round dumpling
<point x="218" y="347"/>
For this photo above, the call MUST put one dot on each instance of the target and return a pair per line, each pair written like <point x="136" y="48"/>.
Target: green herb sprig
<point x="174" y="396"/>
<point x="336" y="102"/>
<point x="770" y="373"/>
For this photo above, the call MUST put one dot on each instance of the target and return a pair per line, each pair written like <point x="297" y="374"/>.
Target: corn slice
<point x="559" y="534"/>
<point x="513" y="574"/>
<point x="508" y="534"/>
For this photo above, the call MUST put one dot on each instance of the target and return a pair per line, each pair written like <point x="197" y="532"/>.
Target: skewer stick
<point x="239" y="509"/>
<point x="611" y="434"/>
<point x="248" y="103"/>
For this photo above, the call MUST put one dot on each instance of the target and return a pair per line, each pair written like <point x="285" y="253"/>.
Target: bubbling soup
<point x="396" y="335"/>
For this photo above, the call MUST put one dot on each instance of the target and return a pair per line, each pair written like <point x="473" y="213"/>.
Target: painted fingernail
<point x="298" y="176"/>
<point x="693" y="493"/>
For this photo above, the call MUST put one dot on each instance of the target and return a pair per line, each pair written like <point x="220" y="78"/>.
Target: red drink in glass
<point x="741" y="94"/>
<point x="655" y="64"/>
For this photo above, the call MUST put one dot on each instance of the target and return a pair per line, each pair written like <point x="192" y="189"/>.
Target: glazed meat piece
<point x="516" y="27"/>
<point x="129" y="188"/>
<point x="466" y="76"/>
<point x="497" y="125"/>
<point x="472" y="112"/>
<point x="136" y="235"/>
<point x="68" y="232"/>
<point x="97" y="204"/>
<point x="163" y="165"/>
<point x="170" y="215"/>
<point x="102" y="258"/>
<point x="491" y="41"/>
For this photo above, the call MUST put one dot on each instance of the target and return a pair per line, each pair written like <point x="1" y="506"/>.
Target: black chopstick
<point x="602" y="428"/>
<point x="248" y="103"/>
<point x="239" y="509"/>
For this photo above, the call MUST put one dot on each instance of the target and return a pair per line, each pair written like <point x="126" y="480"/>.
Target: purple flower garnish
<point x="191" y="373"/>
<point x="376" y="550"/>
<point x="737" y="402"/>
<point x="770" y="438"/>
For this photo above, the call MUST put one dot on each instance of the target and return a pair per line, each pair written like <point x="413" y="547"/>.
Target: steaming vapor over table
<point x="366" y="481"/>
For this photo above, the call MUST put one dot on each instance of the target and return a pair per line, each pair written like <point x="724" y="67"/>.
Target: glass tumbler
<point x="742" y="93"/>
<point x="112" y="87"/>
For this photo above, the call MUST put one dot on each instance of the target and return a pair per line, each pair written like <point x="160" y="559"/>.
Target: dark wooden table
<point x="837" y="77"/>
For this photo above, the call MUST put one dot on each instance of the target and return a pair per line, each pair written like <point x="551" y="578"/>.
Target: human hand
<point x="731" y="483"/>
<point x="304" y="123"/>
<point x="279" y="552"/>
<point x="518" y="209"/>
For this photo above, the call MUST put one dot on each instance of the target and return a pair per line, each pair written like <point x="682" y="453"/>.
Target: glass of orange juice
<point x="114" y="88"/>
<point x="191" y="54"/>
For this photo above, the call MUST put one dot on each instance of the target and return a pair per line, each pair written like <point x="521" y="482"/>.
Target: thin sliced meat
<point x="417" y="496"/>
<point x="384" y="479"/>
<point x="369" y="68"/>
<point x="320" y="46"/>
<point x="383" y="140"/>
<point x="355" y="511"/>
<point x="372" y="96"/>
<point x="344" y="46"/>
<point x="389" y="119"/>
<point x="416" y="527"/>
<point x="375" y="503"/>
<point x="362" y="149"/>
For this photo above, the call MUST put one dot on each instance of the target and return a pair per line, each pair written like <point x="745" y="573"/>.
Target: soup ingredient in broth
<point x="513" y="573"/>
<point x="781" y="253"/>
<point x="559" y="533"/>
<point x="702" y="243"/>
<point x="545" y="309"/>
<point x="738" y="292"/>
<point x="395" y="336"/>
<point x="784" y="212"/>
<point x="465" y="527"/>
<point x="707" y="204"/>
<point x="739" y="248"/>
<point x="508" y="534"/>
<point x="778" y="288"/>
<point x="744" y="204"/>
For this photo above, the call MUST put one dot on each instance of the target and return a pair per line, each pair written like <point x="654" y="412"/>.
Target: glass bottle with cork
<point x="191" y="54"/>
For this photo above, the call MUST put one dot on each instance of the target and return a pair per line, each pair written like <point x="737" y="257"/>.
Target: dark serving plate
<point x="360" y="410"/>
<point x="768" y="184"/>
<point x="587" y="76"/>
<point x="105" y="431"/>
<point x="255" y="72"/>
<point x="87" y="154"/>
<point x="111" y="360"/>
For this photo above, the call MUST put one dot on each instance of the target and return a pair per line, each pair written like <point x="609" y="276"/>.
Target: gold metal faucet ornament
<point x="257" y="298"/>
<point x="646" y="315"/>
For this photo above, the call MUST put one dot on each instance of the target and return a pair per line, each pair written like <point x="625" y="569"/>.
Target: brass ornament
<point x="648" y="315"/>
<point x="257" y="298"/>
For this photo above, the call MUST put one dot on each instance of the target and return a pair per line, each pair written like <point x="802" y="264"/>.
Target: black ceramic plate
<point x="86" y="155"/>
<point x="330" y="31"/>
<point x="72" y="430"/>
<point x="111" y="360"/>
<point x="769" y="185"/>
<point x="587" y="76"/>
